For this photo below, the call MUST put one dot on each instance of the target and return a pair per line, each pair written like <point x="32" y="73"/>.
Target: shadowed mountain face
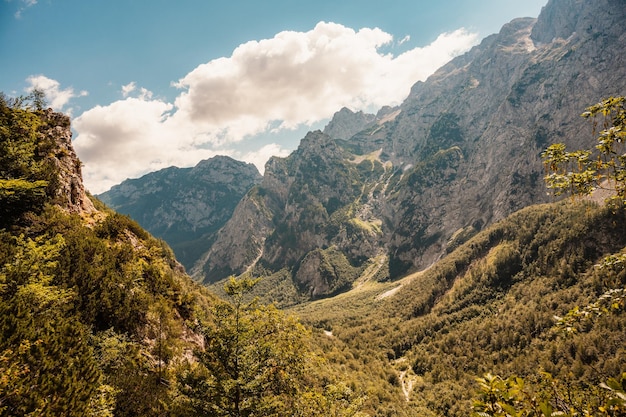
<point x="185" y="206"/>
<point x="400" y="189"/>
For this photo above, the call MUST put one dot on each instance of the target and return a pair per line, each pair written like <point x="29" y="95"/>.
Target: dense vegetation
<point x="97" y="318"/>
<point x="538" y="297"/>
<point x="488" y="307"/>
<point x="92" y="309"/>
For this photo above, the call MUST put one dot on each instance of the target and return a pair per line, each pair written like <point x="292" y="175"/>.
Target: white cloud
<point x="131" y="87"/>
<point x="128" y="138"/>
<point x="137" y="135"/>
<point x="291" y="80"/>
<point x="25" y="4"/>
<point x="57" y="98"/>
<point x="302" y="77"/>
<point x="260" y="157"/>
<point x="128" y="88"/>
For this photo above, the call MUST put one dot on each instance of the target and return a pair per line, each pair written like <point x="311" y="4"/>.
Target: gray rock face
<point x="185" y="206"/>
<point x="414" y="181"/>
<point x="346" y="123"/>
<point x="500" y="105"/>
<point x="70" y="191"/>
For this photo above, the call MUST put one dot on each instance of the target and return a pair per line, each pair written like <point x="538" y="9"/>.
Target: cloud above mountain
<point x="56" y="96"/>
<point x="266" y="86"/>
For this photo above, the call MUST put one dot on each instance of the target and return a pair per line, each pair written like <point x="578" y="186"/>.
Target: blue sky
<point x="154" y="83"/>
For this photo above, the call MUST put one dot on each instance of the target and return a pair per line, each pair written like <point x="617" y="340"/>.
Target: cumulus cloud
<point x="302" y="77"/>
<point x="292" y="80"/>
<point x="56" y="96"/>
<point x="127" y="138"/>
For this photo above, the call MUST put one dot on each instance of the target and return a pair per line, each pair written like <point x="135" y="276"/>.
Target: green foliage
<point x="116" y="224"/>
<point x="580" y="172"/>
<point x="36" y="100"/>
<point x="52" y="371"/>
<point x="512" y="397"/>
<point x="17" y="195"/>
<point x="89" y="325"/>
<point x="489" y="306"/>
<point x="253" y="360"/>
<point x="26" y="175"/>
<point x="256" y="361"/>
<point x="612" y="301"/>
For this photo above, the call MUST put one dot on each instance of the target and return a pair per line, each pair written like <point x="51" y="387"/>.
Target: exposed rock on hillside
<point x="70" y="192"/>
<point x="345" y="123"/>
<point x="306" y="202"/>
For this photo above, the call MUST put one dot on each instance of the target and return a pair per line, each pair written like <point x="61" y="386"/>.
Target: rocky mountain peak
<point x="185" y="206"/>
<point x="346" y="123"/>
<point x="223" y="169"/>
<point x="516" y="34"/>
<point x="314" y="141"/>
<point x="315" y="150"/>
<point x="560" y="19"/>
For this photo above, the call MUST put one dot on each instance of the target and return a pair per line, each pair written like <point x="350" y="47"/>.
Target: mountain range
<point x="393" y="192"/>
<point x="409" y="282"/>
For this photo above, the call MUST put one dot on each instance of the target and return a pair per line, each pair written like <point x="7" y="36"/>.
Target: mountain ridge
<point x="461" y="152"/>
<point x="465" y="149"/>
<point x="185" y="206"/>
<point x="97" y="317"/>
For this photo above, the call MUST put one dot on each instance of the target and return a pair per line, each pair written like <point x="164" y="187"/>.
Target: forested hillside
<point x="540" y="295"/>
<point x="94" y="311"/>
<point x="417" y="345"/>
<point x="97" y="318"/>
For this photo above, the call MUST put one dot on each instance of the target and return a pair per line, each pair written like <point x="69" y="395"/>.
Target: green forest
<point x="97" y="317"/>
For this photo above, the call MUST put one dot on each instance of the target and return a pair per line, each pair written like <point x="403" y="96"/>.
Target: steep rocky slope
<point x="185" y="206"/>
<point x="461" y="152"/>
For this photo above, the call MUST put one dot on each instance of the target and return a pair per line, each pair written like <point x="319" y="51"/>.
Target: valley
<point x="460" y="254"/>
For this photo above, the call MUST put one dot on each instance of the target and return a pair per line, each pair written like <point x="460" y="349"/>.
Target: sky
<point x="153" y="83"/>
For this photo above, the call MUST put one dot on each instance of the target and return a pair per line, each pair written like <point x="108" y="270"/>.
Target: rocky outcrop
<point x="500" y="105"/>
<point x="69" y="190"/>
<point x="185" y="206"/>
<point x="308" y="202"/>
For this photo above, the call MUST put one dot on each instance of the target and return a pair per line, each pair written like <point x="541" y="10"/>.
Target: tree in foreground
<point x="256" y="361"/>
<point x="583" y="171"/>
